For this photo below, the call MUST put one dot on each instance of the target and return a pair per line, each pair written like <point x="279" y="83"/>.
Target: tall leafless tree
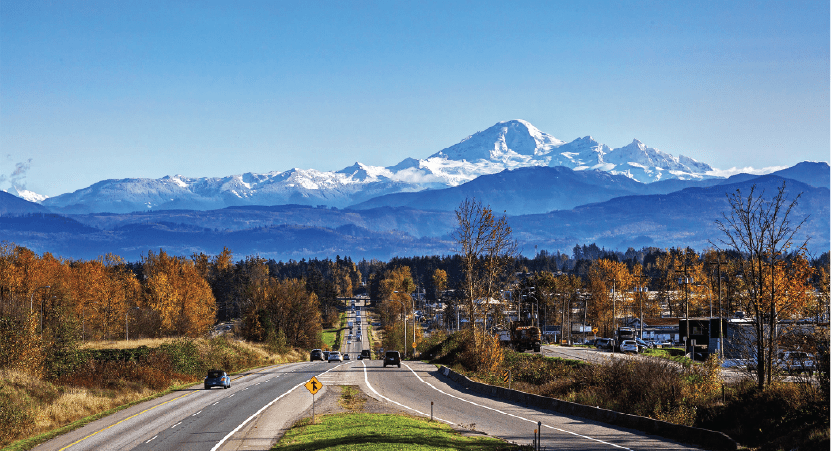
<point x="486" y="247"/>
<point x="761" y="230"/>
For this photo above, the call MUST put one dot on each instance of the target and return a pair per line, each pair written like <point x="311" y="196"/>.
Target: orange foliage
<point x="175" y="289"/>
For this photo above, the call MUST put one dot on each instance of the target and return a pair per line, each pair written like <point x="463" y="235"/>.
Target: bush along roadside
<point x="784" y="416"/>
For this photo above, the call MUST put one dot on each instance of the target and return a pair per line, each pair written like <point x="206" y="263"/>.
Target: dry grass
<point x="124" y="344"/>
<point x="50" y="406"/>
<point x="30" y="406"/>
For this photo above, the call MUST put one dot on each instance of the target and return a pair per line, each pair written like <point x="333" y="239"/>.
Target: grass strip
<point x="383" y="432"/>
<point x="331" y="337"/>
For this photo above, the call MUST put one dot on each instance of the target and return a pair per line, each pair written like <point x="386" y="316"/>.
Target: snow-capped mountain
<point x="506" y="145"/>
<point x="26" y="194"/>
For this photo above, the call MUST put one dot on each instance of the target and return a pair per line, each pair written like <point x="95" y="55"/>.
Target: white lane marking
<point x="236" y="429"/>
<point x="154" y="438"/>
<point x="366" y="380"/>
<point x="512" y="415"/>
<point x="171" y="427"/>
<point x="215" y="403"/>
<point x="197" y="413"/>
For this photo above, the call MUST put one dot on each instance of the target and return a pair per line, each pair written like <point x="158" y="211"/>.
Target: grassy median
<point x="382" y="432"/>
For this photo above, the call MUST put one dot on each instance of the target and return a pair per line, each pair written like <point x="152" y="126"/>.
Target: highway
<point x="261" y="404"/>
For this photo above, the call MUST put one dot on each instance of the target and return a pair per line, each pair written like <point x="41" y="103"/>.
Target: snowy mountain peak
<point x="505" y="145"/>
<point x="27" y="195"/>
<point x="508" y="140"/>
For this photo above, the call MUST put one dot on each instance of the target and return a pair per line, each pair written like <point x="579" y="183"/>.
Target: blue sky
<point x="96" y="90"/>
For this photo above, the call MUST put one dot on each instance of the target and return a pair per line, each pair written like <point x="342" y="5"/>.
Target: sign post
<point x="313" y="386"/>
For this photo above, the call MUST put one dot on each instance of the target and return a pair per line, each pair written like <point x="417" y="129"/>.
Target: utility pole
<point x="641" y="289"/>
<point x="719" y="262"/>
<point x="686" y="280"/>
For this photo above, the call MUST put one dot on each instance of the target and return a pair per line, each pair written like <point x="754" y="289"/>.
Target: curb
<point x="686" y="434"/>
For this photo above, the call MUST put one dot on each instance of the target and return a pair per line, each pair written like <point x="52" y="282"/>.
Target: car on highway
<point x="366" y="354"/>
<point x="345" y="356"/>
<point x="316" y="354"/>
<point x="217" y="378"/>
<point x="326" y="355"/>
<point x="629" y="346"/>
<point x="392" y="358"/>
<point x="334" y="356"/>
<point x="604" y="343"/>
<point x="349" y="341"/>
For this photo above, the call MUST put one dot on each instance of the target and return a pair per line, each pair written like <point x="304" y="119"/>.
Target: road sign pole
<point x="313" y="408"/>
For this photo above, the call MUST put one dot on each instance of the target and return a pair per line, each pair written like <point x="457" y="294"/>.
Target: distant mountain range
<point x="542" y="189"/>
<point x="684" y="217"/>
<point x="555" y="195"/>
<point x="504" y="146"/>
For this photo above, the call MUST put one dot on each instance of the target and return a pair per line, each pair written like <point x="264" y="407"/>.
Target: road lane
<point x="191" y="419"/>
<point x="416" y="384"/>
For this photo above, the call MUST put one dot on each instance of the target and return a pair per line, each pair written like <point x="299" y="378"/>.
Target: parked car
<point x="334" y="356"/>
<point x="316" y="354"/>
<point x="796" y="362"/>
<point x="392" y="358"/>
<point x="606" y="344"/>
<point x="217" y="378"/>
<point x="629" y="346"/>
<point x="643" y="344"/>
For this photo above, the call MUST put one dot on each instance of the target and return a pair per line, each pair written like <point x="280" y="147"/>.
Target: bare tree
<point x="762" y="231"/>
<point x="486" y="248"/>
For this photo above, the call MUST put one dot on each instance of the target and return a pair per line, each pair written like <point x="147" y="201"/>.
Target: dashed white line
<point x="154" y="438"/>
<point x="171" y="427"/>
<point x="197" y="413"/>
<point x="512" y="415"/>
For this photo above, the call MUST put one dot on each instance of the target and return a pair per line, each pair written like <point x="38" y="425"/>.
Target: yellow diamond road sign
<point x="313" y="385"/>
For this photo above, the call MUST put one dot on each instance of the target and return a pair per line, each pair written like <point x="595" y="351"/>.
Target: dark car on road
<point x="392" y="358"/>
<point x="607" y="344"/>
<point x="317" y="354"/>
<point x="217" y="378"/>
<point x="366" y="354"/>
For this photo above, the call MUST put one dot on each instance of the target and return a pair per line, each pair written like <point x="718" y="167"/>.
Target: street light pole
<point x="32" y="295"/>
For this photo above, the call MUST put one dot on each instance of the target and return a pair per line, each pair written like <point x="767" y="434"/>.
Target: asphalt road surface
<point x="261" y="404"/>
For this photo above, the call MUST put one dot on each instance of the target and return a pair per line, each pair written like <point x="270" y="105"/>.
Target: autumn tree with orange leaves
<point x="175" y="289"/>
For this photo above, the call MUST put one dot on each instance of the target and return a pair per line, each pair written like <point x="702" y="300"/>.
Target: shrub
<point x="15" y="416"/>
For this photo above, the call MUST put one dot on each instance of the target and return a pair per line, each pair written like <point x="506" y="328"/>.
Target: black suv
<point x="366" y="354"/>
<point x="317" y="354"/>
<point x="392" y="358"/>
